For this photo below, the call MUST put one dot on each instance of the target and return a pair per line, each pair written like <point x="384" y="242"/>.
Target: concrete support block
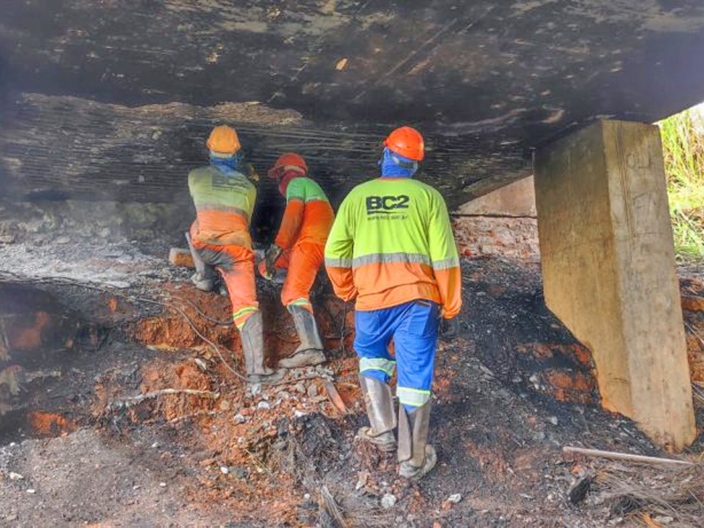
<point x="609" y="270"/>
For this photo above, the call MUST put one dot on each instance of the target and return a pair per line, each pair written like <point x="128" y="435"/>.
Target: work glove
<point x="449" y="328"/>
<point x="270" y="259"/>
<point x="252" y="173"/>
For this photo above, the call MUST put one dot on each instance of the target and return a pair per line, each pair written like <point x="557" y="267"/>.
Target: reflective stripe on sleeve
<point x="385" y="365"/>
<point x="452" y="262"/>
<point x="338" y="262"/>
<point x="413" y="397"/>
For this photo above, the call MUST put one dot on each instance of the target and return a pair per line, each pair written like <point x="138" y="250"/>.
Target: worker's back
<point x="400" y="231"/>
<point x="224" y="206"/>
<point x="392" y="250"/>
<point x="318" y="215"/>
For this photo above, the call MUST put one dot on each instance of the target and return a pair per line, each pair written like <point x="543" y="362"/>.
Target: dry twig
<point x="625" y="456"/>
<point x="694" y="332"/>
<point x="195" y="415"/>
<point x="126" y="403"/>
<point x="673" y="492"/>
<point x="698" y="394"/>
<point x="330" y="506"/>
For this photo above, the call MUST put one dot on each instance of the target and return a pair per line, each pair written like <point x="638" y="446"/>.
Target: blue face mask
<point x="228" y="166"/>
<point x="395" y="166"/>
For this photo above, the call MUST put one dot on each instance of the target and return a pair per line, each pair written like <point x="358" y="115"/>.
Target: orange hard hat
<point x="224" y="140"/>
<point x="406" y="142"/>
<point x="289" y="160"/>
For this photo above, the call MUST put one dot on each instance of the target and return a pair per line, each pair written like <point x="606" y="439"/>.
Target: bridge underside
<point x="112" y="99"/>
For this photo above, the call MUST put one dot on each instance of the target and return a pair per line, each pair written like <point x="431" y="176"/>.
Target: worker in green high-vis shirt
<point x="392" y="250"/>
<point x="298" y="248"/>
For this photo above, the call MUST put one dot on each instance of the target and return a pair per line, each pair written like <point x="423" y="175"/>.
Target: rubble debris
<point x="181" y="258"/>
<point x="499" y="442"/>
<point x="388" y="501"/>
<point x="668" y="493"/>
<point x="503" y="237"/>
<point x="454" y="498"/>
<point x="451" y="500"/>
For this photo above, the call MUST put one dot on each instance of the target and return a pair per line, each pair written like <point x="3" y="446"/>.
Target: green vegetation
<point x="683" y="141"/>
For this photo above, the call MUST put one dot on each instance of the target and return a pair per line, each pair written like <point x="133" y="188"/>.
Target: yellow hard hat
<point x="223" y="140"/>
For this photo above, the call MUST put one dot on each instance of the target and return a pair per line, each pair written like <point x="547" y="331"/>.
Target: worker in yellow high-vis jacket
<point x="392" y="250"/>
<point x="219" y="239"/>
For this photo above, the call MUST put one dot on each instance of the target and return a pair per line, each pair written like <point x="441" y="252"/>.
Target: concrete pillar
<point x="609" y="270"/>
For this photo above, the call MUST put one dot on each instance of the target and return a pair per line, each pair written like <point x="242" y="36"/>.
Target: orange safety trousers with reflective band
<point x="236" y="265"/>
<point x="302" y="262"/>
<point x="304" y="230"/>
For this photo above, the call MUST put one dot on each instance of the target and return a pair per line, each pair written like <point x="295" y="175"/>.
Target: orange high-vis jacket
<point x="392" y="243"/>
<point x="308" y="216"/>
<point x="224" y="207"/>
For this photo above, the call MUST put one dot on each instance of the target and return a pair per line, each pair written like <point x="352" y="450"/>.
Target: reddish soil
<point x="154" y="405"/>
<point x="50" y="424"/>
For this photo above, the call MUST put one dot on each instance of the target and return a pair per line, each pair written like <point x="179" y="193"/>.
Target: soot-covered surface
<point x="485" y="81"/>
<point x="127" y="444"/>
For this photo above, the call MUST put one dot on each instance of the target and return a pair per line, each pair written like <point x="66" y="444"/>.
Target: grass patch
<point x="683" y="142"/>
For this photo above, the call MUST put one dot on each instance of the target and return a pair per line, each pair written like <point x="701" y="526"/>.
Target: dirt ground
<point x="124" y="416"/>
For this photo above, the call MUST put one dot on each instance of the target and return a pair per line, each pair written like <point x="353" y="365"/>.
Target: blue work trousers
<point x="414" y="328"/>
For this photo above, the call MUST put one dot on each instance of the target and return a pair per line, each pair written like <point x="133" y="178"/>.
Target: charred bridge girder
<point x="485" y="81"/>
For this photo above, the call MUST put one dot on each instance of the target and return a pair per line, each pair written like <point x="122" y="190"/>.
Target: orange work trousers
<point x="303" y="261"/>
<point x="236" y="265"/>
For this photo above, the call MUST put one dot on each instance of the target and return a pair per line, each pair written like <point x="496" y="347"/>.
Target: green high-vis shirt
<point x="392" y="242"/>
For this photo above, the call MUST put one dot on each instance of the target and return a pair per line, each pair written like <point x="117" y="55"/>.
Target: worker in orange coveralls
<point x="299" y="248"/>
<point x="219" y="239"/>
<point x="392" y="250"/>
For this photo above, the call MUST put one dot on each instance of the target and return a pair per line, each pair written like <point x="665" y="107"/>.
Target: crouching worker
<point x="392" y="249"/>
<point x="220" y="240"/>
<point x="299" y="248"/>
